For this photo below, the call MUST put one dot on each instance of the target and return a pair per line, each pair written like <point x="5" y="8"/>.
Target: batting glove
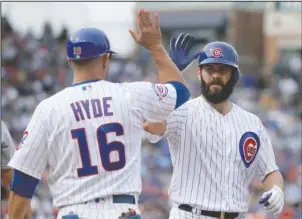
<point x="179" y="50"/>
<point x="273" y="200"/>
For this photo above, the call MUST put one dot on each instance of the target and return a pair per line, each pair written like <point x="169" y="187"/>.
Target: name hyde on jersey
<point x="85" y="109"/>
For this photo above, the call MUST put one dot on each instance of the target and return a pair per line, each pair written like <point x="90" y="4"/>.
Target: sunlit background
<point x="267" y="36"/>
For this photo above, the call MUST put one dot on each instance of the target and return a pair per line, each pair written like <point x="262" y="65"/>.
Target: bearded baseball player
<point x="216" y="146"/>
<point x="89" y="134"/>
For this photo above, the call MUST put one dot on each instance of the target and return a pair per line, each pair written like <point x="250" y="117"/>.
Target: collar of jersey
<point x="85" y="82"/>
<point x="207" y="106"/>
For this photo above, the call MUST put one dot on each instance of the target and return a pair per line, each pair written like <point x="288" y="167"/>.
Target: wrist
<point x="278" y="185"/>
<point x="157" y="49"/>
<point x="278" y="188"/>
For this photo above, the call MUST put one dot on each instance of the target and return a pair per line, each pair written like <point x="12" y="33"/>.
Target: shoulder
<point x="48" y="105"/>
<point x="49" y="102"/>
<point x="134" y="85"/>
<point x="187" y="108"/>
<point x="146" y="85"/>
<point x="3" y="126"/>
<point x="195" y="102"/>
<point x="247" y="116"/>
<point x="4" y="130"/>
<point x="191" y="104"/>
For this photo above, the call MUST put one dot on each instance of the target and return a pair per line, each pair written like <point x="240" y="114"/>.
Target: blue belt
<point x="119" y="199"/>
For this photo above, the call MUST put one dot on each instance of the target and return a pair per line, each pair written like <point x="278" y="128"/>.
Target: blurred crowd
<point x="35" y="68"/>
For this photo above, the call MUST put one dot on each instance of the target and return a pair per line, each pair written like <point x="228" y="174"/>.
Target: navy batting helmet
<point x="220" y="52"/>
<point x="88" y="43"/>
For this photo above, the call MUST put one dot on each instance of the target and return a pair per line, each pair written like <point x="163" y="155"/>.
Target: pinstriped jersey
<point x="215" y="157"/>
<point x="7" y="146"/>
<point x="89" y="137"/>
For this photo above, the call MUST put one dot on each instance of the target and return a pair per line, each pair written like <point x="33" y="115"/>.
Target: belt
<point x="216" y="214"/>
<point x="119" y="199"/>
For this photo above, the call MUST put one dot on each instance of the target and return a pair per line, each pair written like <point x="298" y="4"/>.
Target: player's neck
<point x="83" y="76"/>
<point x="224" y="107"/>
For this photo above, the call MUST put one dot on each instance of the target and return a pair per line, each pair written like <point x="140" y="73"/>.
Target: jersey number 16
<point x="104" y="148"/>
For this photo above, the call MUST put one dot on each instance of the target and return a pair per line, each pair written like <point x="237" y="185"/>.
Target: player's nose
<point x="216" y="78"/>
<point x="216" y="74"/>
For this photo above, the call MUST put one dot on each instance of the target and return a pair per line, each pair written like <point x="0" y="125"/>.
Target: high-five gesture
<point x="180" y="49"/>
<point x="149" y="34"/>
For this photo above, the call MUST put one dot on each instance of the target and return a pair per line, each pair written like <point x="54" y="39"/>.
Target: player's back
<point x="89" y="135"/>
<point x="96" y="137"/>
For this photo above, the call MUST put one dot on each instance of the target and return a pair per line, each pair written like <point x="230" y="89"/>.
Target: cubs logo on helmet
<point x="217" y="52"/>
<point x="249" y="146"/>
<point x="220" y="53"/>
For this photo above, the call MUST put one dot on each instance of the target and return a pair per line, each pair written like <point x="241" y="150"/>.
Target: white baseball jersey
<point x="7" y="146"/>
<point x="89" y="135"/>
<point x="215" y="157"/>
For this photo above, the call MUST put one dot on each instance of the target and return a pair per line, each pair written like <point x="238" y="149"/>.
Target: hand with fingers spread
<point x="180" y="49"/>
<point x="149" y="34"/>
<point x="273" y="200"/>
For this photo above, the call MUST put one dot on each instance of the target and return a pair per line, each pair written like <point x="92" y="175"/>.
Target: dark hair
<point x="83" y="62"/>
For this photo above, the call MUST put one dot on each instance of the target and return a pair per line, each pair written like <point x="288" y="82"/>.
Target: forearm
<point x="6" y="179"/>
<point x="28" y="214"/>
<point x="18" y="206"/>
<point x="155" y="129"/>
<point x="272" y="179"/>
<point x="167" y="70"/>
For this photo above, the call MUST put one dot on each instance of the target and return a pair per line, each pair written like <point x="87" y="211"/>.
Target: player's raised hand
<point x="148" y="34"/>
<point x="180" y="49"/>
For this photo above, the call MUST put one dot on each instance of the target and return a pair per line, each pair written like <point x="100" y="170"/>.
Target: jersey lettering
<point x="105" y="149"/>
<point x="81" y="109"/>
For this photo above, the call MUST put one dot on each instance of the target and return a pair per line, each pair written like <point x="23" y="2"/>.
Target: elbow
<point x="273" y="178"/>
<point x="182" y="93"/>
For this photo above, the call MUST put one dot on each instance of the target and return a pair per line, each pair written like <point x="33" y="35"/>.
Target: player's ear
<point x="198" y="72"/>
<point x="105" y="60"/>
<point x="70" y="62"/>
<point x="108" y="57"/>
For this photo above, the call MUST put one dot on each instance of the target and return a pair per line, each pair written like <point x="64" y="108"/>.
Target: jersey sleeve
<point x="32" y="153"/>
<point x="153" y="102"/>
<point x="7" y="146"/>
<point x="267" y="162"/>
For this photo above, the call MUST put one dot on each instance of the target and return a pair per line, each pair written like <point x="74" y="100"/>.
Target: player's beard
<point x="220" y="96"/>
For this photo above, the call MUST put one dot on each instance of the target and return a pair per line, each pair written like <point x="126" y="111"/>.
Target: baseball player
<point x="7" y="151"/>
<point x="216" y="146"/>
<point x="89" y="134"/>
